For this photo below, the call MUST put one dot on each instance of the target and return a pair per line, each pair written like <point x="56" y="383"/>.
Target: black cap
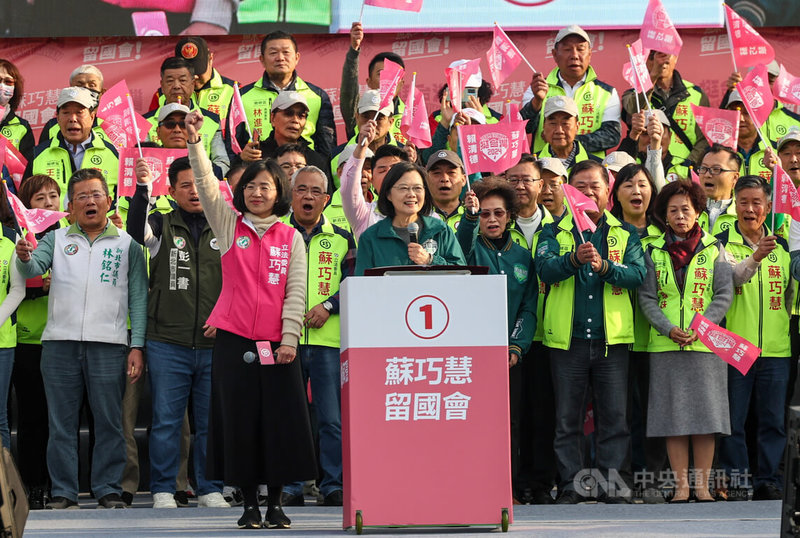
<point x="195" y="51"/>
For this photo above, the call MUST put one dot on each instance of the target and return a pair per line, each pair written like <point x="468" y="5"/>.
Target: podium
<point x="425" y="411"/>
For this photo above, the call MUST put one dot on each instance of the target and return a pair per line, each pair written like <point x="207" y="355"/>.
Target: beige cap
<point x="773" y="68"/>
<point x="348" y="151"/>
<point x="560" y="103"/>
<point x="447" y="156"/>
<point x="733" y="97"/>
<point x="793" y="134"/>
<point x="76" y="94"/>
<point x="573" y="29"/>
<point x="553" y="165"/>
<point x="616" y="160"/>
<point x="171" y="108"/>
<point x="371" y="101"/>
<point x="288" y="99"/>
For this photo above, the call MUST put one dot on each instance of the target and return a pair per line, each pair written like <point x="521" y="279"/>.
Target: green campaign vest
<point x="684" y="118"/>
<point x="592" y="99"/>
<point x="8" y="331"/>
<point x="757" y="312"/>
<point x="207" y="131"/>
<point x="453" y="220"/>
<point x="390" y="141"/>
<point x="560" y="303"/>
<point x="316" y="12"/>
<point x="257" y="101"/>
<point x="519" y="238"/>
<point x="754" y="164"/>
<point x="14" y="130"/>
<point x="778" y="123"/>
<point x="724" y="221"/>
<point x="394" y="130"/>
<point x="215" y="96"/>
<point x="680" y="307"/>
<point x="582" y="154"/>
<point x="641" y="325"/>
<point x="334" y="212"/>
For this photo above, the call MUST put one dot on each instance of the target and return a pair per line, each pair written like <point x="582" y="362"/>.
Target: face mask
<point x="6" y="93"/>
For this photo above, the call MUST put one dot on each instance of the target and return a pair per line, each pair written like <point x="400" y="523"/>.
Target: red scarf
<point x="682" y="251"/>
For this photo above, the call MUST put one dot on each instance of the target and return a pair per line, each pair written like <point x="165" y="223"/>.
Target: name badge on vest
<point x="265" y="353"/>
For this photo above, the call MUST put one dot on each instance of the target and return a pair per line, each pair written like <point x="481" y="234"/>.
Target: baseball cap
<point x="560" y="103"/>
<point x="447" y="156"/>
<point x="474" y="80"/>
<point x="370" y="101"/>
<point x="195" y="51"/>
<point x="553" y="165"/>
<point x="793" y="134"/>
<point x="773" y="68"/>
<point x="662" y="117"/>
<point x="616" y="160"/>
<point x="76" y="94"/>
<point x="287" y="99"/>
<point x="572" y="29"/>
<point x="475" y="115"/>
<point x="733" y="97"/>
<point x="171" y="108"/>
<point x="348" y="151"/>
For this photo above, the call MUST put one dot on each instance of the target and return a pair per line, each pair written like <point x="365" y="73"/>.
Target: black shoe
<point x="181" y="499"/>
<point x="613" y="499"/>
<point x="334" y="498"/>
<point x="569" y="497"/>
<point x="127" y="498"/>
<point x="541" y="496"/>
<point x="767" y="492"/>
<point x="276" y="519"/>
<point x="251" y="518"/>
<point x="289" y="499"/>
<point x="37" y="498"/>
<point x="112" y="500"/>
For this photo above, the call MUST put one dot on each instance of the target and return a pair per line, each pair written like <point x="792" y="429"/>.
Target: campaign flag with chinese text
<point x="457" y="78"/>
<point x="403" y="5"/>
<point x="747" y="46"/>
<point x="786" y="199"/>
<point x="13" y="161"/>
<point x="502" y="57"/>
<point x="579" y="203"/>
<point x="414" y="123"/>
<point x="237" y="116"/>
<point x="491" y="148"/>
<point x="119" y="117"/>
<point x="756" y="94"/>
<point x="391" y="75"/>
<point x="787" y="87"/>
<point x="158" y="159"/>
<point x="640" y="79"/>
<point x="658" y="32"/>
<point x="33" y="220"/>
<point x="720" y="126"/>
<point x="512" y="115"/>
<point x="726" y="345"/>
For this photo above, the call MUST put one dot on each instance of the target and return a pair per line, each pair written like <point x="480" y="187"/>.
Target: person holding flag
<point x="687" y="272"/>
<point x="764" y="289"/>
<point x="588" y="326"/>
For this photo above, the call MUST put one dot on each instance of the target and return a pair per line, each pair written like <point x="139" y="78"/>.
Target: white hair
<point x="313" y="170"/>
<point x="88" y="69"/>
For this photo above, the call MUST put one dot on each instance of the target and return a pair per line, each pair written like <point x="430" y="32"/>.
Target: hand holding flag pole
<point x="638" y="81"/>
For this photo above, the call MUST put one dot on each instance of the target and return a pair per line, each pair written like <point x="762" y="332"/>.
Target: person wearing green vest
<point x="598" y="121"/>
<point x="446" y="179"/>
<point x="588" y="326"/>
<point x="560" y="127"/>
<point x="760" y="313"/>
<point x="675" y="96"/>
<point x="334" y="211"/>
<point x="84" y="76"/>
<point x="687" y="273"/>
<point x="552" y="195"/>
<point x="718" y="172"/>
<point x="185" y="281"/>
<point x="331" y="255"/>
<point x="279" y="57"/>
<point x="750" y="147"/>
<point x="12" y="89"/>
<point x="76" y="146"/>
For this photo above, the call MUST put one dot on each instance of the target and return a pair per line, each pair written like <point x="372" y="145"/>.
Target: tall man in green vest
<point x="279" y="57"/>
<point x="718" y="172"/>
<point x="331" y="258"/>
<point x="588" y="326"/>
<point x="598" y="102"/>
<point x="560" y="130"/>
<point x="760" y="312"/>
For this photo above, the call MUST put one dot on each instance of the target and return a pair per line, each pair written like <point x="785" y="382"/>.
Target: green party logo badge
<point x="520" y="272"/>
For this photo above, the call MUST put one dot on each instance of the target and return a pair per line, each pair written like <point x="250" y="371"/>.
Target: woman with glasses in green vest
<point x="686" y="274"/>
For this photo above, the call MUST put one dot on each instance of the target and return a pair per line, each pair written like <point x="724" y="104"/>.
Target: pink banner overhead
<point x="726" y="345"/>
<point x="747" y="45"/>
<point x="403" y="5"/>
<point x="491" y="148"/>
<point x="658" y="32"/>
<point x="719" y="126"/>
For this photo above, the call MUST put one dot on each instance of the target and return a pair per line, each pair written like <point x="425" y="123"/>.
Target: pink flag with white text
<point x="237" y="116"/>
<point x="414" y="123"/>
<point x="33" y="220"/>
<point x="502" y="57"/>
<point x="491" y="148"/>
<point x="726" y="345"/>
<point x="785" y="198"/>
<point x="404" y="5"/>
<point x="512" y="115"/>
<point x="158" y="159"/>
<point x="720" y="126"/>
<point x="391" y="75"/>
<point x="756" y="94"/>
<point x="658" y="32"/>
<point x="748" y="47"/>
<point x="13" y="161"/>
<point x="119" y="117"/>
<point x="579" y="203"/>
<point x="640" y="80"/>
<point x="457" y="78"/>
<point x="787" y="87"/>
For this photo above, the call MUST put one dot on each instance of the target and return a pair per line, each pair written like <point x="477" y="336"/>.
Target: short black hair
<point x="85" y="174"/>
<point x="397" y="171"/>
<point x="176" y="62"/>
<point x="388" y="150"/>
<point x="277" y="34"/>
<point x="178" y="165"/>
<point x="627" y="173"/>
<point x="588" y="164"/>
<point x="719" y="148"/>
<point x="381" y="56"/>
<point x="528" y="158"/>
<point x="294" y="147"/>
<point x="495" y="186"/>
<point x="753" y="182"/>
<point x="271" y="166"/>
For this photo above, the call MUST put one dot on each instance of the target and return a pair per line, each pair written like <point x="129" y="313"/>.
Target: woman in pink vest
<point x="259" y="430"/>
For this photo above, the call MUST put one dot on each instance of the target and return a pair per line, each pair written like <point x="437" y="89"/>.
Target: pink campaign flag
<point x="579" y="203"/>
<point x="512" y="115"/>
<point x="747" y="46"/>
<point x="786" y="199"/>
<point x="414" y="123"/>
<point x="719" y="126"/>
<point x="502" y="57"/>
<point x="756" y="94"/>
<point x="404" y="5"/>
<point x="227" y="194"/>
<point x="639" y="80"/>
<point x="118" y="117"/>
<point x="33" y="220"/>
<point x="13" y="160"/>
<point x="236" y="116"/>
<point x="457" y="78"/>
<point x="391" y="75"/>
<point x="658" y="32"/>
<point x="726" y="345"/>
<point x="491" y="148"/>
<point x="694" y="175"/>
<point x="158" y="159"/>
<point x="787" y="87"/>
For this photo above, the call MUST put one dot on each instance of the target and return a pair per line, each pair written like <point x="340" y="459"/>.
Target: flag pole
<point x="638" y="81"/>
<point x="361" y="15"/>
<point x="515" y="47"/>
<point x="730" y="40"/>
<point x="461" y="150"/>
<point x="135" y="125"/>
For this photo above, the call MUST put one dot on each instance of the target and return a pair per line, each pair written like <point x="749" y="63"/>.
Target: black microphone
<point x="413" y="232"/>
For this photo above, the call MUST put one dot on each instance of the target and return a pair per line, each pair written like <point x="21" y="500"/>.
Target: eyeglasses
<point x="527" y="180"/>
<point x="170" y="124"/>
<point x="302" y="190"/>
<point x="291" y="166"/>
<point x="405" y="189"/>
<point x="713" y="170"/>
<point x="497" y="212"/>
<point x="8" y="81"/>
<point x="252" y="187"/>
<point x="95" y="196"/>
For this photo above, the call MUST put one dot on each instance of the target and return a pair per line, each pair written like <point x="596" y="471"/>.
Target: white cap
<point x="171" y="108"/>
<point x="288" y="99"/>
<point x="572" y="29"/>
<point x="551" y="164"/>
<point x="616" y="160"/>
<point x="475" y="115"/>
<point x="76" y="94"/>
<point x="560" y="103"/>
<point x="348" y="151"/>
<point x="773" y="68"/>
<point x="371" y="101"/>
<point x="474" y="80"/>
<point x="793" y="134"/>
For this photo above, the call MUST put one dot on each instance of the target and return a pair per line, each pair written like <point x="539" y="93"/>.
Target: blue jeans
<point x="6" y="369"/>
<point x="321" y="364"/>
<point x="767" y="381"/>
<point x="67" y="367"/>
<point x="175" y="372"/>
<point x="574" y="370"/>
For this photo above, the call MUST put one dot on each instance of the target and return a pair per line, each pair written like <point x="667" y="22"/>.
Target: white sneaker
<point x="212" y="500"/>
<point x="164" y="500"/>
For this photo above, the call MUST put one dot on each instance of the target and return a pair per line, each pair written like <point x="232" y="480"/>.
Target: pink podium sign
<point x="425" y="401"/>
